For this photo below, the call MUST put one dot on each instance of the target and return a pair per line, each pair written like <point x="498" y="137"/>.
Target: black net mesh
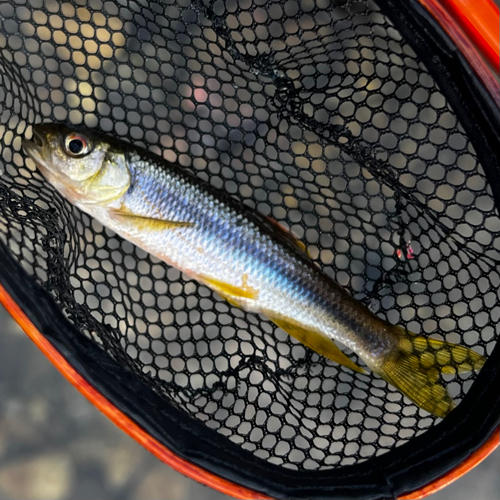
<point x="316" y="113"/>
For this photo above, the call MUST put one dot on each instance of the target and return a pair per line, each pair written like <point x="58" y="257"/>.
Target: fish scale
<point x="233" y="244"/>
<point x="250" y="261"/>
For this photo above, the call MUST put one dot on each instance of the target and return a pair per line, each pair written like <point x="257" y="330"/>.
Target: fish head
<point x="85" y="167"/>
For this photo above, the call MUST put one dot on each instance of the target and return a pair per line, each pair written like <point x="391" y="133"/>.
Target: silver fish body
<point x="240" y="254"/>
<point x="233" y="245"/>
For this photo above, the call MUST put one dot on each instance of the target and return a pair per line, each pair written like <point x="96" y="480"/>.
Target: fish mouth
<point x="37" y="141"/>
<point x="34" y="149"/>
<point x="38" y="138"/>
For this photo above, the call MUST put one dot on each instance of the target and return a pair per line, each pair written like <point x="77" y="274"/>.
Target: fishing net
<point x="318" y="114"/>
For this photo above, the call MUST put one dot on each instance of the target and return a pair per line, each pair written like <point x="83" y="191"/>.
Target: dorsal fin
<point x="288" y="236"/>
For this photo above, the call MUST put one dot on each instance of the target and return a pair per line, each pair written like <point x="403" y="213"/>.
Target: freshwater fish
<point x="249" y="260"/>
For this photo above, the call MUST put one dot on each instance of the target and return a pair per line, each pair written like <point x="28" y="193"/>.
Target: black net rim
<point x="402" y="470"/>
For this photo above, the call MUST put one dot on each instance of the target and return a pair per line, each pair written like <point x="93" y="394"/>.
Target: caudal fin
<point x="415" y="365"/>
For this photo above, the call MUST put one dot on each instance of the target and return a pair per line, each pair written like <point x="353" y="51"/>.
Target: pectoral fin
<point x="229" y="292"/>
<point x="317" y="342"/>
<point x="149" y="222"/>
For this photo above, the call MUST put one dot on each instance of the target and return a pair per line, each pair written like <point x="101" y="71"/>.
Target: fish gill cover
<point x="317" y="114"/>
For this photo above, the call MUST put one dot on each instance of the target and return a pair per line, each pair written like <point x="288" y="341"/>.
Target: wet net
<point x="315" y="113"/>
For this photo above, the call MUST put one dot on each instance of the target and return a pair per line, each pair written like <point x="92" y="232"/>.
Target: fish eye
<point x="77" y="145"/>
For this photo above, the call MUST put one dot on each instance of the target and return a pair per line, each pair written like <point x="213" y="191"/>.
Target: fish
<point x="250" y="260"/>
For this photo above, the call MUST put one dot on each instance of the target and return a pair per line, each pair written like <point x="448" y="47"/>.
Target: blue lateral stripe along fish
<point x="247" y="259"/>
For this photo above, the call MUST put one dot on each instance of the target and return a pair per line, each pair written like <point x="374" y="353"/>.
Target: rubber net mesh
<point x="317" y="114"/>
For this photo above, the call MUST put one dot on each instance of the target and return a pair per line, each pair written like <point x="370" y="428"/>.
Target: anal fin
<point x="318" y="342"/>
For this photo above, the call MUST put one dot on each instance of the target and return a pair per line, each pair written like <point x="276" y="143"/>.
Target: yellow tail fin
<point x="416" y="363"/>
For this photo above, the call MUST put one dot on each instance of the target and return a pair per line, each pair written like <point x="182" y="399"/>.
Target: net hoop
<point x="455" y="24"/>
